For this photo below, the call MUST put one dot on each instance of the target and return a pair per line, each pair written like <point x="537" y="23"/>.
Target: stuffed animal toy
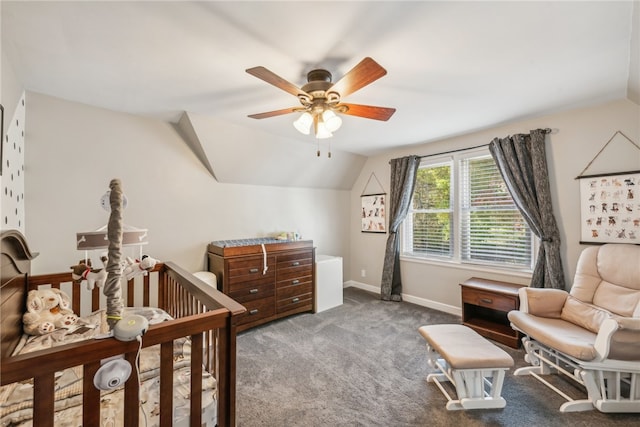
<point x="47" y="310"/>
<point x="136" y="267"/>
<point x="94" y="277"/>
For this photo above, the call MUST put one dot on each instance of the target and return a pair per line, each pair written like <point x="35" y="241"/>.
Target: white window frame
<point x="456" y="189"/>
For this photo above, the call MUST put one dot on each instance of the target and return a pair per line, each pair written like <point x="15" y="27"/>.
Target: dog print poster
<point x="610" y="208"/>
<point x="374" y="213"/>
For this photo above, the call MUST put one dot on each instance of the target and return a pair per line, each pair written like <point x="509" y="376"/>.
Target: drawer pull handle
<point x="253" y="291"/>
<point x="295" y="282"/>
<point x="254" y="270"/>
<point x="486" y="300"/>
<point x="254" y="311"/>
<point x="295" y="263"/>
<point x="296" y="299"/>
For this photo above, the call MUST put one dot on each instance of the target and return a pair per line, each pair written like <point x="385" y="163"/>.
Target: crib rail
<point x="201" y="313"/>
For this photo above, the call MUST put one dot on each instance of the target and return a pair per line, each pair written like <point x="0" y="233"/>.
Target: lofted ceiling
<point x="453" y="67"/>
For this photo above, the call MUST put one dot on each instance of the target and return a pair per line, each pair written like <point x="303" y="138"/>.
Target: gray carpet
<point x="364" y="364"/>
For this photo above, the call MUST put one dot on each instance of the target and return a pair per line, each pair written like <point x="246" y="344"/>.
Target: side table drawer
<point x="489" y="300"/>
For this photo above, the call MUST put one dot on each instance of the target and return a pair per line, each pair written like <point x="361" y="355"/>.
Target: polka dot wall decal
<point x="13" y="170"/>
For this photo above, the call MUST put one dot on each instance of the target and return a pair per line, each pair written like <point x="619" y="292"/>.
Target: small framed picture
<point x="373" y="213"/>
<point x="610" y="208"/>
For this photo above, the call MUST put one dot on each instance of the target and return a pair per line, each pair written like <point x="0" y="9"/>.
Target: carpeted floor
<point x="364" y="364"/>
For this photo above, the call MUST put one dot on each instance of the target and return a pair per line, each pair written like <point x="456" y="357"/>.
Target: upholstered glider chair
<point x="590" y="334"/>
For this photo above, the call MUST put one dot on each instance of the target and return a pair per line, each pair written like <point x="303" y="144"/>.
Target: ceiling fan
<point x="321" y="99"/>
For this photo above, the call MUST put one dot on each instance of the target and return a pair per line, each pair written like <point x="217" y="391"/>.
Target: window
<point x="474" y="221"/>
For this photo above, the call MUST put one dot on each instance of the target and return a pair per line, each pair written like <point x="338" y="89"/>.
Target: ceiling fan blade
<point x="366" y="72"/>
<point x="274" y="113"/>
<point x="274" y="79"/>
<point x="368" y="111"/>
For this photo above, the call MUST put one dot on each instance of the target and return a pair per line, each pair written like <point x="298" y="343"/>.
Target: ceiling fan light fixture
<point x="303" y="123"/>
<point x="322" y="132"/>
<point x="331" y="120"/>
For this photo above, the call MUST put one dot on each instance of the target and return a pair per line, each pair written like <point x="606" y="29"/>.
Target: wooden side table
<point x="485" y="304"/>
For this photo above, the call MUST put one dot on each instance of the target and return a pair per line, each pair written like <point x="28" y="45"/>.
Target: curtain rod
<point x="546" y="131"/>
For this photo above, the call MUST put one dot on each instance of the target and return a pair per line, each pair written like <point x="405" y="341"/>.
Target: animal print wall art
<point x="373" y="213"/>
<point x="610" y="208"/>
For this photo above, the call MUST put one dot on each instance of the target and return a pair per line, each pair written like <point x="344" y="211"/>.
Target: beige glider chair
<point x="590" y="334"/>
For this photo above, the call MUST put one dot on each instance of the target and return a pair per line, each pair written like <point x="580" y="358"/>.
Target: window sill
<point x="474" y="267"/>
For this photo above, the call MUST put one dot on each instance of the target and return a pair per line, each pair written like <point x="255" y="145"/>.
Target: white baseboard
<point x="409" y="298"/>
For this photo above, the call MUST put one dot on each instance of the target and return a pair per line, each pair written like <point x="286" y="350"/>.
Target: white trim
<point x="451" y="309"/>
<point x="409" y="298"/>
<point x="363" y="286"/>
<point x="467" y="266"/>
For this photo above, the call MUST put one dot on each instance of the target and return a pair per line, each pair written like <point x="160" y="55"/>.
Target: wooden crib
<point x="204" y="315"/>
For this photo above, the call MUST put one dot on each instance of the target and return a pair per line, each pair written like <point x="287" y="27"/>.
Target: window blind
<point x="492" y="229"/>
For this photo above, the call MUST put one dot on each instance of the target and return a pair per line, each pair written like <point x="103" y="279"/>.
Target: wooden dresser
<point x="485" y="304"/>
<point x="271" y="278"/>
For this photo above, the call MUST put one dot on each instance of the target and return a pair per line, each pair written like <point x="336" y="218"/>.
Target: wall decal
<point x="12" y="177"/>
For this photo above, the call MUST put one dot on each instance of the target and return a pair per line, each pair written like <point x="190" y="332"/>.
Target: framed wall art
<point x="374" y="213"/>
<point x="610" y="208"/>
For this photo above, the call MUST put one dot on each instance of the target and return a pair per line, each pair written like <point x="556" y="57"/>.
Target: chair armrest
<point x="630" y="323"/>
<point x="543" y="302"/>
<point x="608" y="329"/>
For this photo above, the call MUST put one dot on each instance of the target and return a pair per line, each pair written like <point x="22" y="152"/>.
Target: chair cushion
<point x="582" y="314"/>
<point x="464" y="348"/>
<point x="564" y="336"/>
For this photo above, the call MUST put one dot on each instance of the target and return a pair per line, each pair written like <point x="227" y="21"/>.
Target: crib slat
<point x="95" y="299"/>
<point x="132" y="395"/>
<point x="43" y="394"/>
<point x="166" y="384"/>
<point x="131" y="296"/>
<point x="196" y="380"/>
<point x="90" y="396"/>
<point x="146" y="293"/>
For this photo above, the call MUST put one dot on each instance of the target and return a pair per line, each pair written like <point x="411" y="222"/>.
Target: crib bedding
<point x="17" y="398"/>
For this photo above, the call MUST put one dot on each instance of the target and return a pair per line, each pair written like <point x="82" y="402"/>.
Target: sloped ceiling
<point x="453" y="68"/>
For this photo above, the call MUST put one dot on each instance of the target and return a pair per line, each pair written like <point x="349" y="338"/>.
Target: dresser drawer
<point x="297" y="302"/>
<point x="293" y="291"/>
<point x="244" y="282"/>
<point x="490" y="300"/>
<point x="285" y="280"/>
<point x="250" y="271"/>
<point x="258" y="309"/>
<point x="249" y="265"/>
<point x="242" y="293"/>
<point x="294" y="260"/>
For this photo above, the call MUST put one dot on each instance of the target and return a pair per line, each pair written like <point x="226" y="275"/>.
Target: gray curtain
<point x="404" y="172"/>
<point x="522" y="162"/>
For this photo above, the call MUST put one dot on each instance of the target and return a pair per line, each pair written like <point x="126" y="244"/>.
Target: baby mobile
<point x="113" y="237"/>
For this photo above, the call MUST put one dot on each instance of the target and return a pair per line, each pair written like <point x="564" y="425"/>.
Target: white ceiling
<point x="453" y="67"/>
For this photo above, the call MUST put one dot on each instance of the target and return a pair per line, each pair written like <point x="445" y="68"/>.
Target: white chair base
<point x="611" y="386"/>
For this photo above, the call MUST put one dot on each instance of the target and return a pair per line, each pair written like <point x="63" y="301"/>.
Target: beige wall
<point x="74" y="150"/>
<point x="577" y="137"/>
